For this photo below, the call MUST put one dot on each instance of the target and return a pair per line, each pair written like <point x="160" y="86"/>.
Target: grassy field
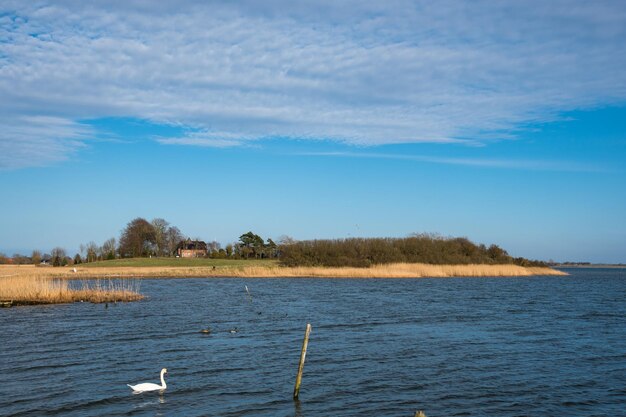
<point x="178" y="262"/>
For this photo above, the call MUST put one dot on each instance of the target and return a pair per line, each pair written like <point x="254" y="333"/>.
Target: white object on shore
<point x="73" y="269"/>
<point x="149" y="386"/>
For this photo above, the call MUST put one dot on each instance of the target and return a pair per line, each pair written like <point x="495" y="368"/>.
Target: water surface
<point x="551" y="346"/>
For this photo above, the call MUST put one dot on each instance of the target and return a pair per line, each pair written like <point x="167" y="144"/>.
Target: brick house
<point x="191" y="249"/>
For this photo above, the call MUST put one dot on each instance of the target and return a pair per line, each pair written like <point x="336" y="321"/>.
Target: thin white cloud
<point x="499" y="163"/>
<point x="35" y="141"/>
<point x="365" y="74"/>
<point x="201" y="142"/>
<point x="205" y="139"/>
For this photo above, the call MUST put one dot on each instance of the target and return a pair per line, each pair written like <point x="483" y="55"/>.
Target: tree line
<point x="421" y="248"/>
<point x="143" y="238"/>
<point x="56" y="257"/>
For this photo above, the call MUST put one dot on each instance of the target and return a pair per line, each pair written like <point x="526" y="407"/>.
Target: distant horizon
<point x="501" y="122"/>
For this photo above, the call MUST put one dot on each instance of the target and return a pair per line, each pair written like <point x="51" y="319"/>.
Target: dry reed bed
<point x="403" y="270"/>
<point x="30" y="289"/>
<point x="400" y="270"/>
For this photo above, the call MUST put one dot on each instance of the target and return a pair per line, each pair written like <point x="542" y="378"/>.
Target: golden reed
<point x="398" y="270"/>
<point x="402" y="270"/>
<point x="35" y="289"/>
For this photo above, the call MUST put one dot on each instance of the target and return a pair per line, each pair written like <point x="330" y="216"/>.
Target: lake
<point x="540" y="346"/>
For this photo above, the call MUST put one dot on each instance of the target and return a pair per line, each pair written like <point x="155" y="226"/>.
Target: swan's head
<point x="163" y="371"/>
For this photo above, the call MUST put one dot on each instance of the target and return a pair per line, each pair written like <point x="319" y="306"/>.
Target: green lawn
<point x="187" y="262"/>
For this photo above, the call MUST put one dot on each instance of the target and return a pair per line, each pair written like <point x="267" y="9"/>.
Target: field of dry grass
<point x="29" y="284"/>
<point x="402" y="270"/>
<point x="28" y="288"/>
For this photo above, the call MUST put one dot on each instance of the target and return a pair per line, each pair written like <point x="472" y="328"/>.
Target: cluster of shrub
<point x="422" y="248"/>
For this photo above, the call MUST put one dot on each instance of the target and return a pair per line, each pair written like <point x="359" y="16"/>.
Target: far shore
<point x="597" y="266"/>
<point x="272" y="270"/>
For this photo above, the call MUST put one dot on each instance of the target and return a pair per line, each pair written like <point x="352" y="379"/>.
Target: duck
<point x="149" y="386"/>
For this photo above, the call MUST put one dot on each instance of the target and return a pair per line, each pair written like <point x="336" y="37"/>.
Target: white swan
<point x="149" y="386"/>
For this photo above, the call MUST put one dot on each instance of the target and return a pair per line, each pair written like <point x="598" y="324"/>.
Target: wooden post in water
<point x="296" y="390"/>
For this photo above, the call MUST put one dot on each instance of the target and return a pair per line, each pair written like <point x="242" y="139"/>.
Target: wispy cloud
<point x="207" y="139"/>
<point x="366" y="74"/>
<point x="520" y="164"/>
<point x="29" y="141"/>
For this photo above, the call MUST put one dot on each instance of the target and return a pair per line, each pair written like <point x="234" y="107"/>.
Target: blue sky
<point x="500" y="121"/>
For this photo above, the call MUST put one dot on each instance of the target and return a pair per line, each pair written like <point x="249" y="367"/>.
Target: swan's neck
<point x="163" y="381"/>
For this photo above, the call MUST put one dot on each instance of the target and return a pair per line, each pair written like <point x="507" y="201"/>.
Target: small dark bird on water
<point x="233" y="331"/>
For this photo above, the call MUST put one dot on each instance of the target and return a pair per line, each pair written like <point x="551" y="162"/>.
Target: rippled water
<point x="546" y="346"/>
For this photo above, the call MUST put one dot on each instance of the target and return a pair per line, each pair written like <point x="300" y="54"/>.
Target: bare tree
<point x="160" y="232"/>
<point x="173" y="238"/>
<point x="214" y="247"/>
<point x="36" y="257"/>
<point x="92" y="252"/>
<point x="286" y="240"/>
<point x="108" y="249"/>
<point x="58" y="257"/>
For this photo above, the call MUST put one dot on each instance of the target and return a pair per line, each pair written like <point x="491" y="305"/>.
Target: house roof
<point x="192" y="245"/>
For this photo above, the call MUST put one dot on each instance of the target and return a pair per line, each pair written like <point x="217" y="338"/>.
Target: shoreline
<point x="402" y="270"/>
<point x="592" y="266"/>
<point x="30" y="285"/>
